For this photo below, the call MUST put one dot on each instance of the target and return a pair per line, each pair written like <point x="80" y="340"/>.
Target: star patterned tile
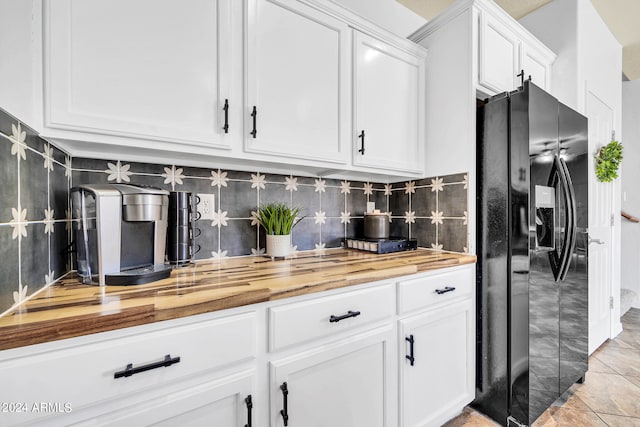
<point x="332" y="209"/>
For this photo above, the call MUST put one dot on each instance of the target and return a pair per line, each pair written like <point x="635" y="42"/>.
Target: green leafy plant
<point x="278" y="218"/>
<point x="608" y="161"/>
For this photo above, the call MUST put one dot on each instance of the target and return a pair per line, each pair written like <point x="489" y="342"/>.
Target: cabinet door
<point x="535" y="66"/>
<point x="389" y="106"/>
<point x="225" y="402"/>
<point x="441" y="379"/>
<point x="201" y="346"/>
<point x="297" y="81"/>
<point x="127" y="68"/>
<point x="497" y="56"/>
<point x="347" y="383"/>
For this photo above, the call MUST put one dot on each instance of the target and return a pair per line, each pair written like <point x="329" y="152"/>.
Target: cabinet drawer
<point x="307" y="320"/>
<point x="434" y="289"/>
<point x="83" y="374"/>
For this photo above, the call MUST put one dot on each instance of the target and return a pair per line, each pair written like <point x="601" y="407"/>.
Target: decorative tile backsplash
<point x="34" y="232"/>
<point x="34" y="197"/>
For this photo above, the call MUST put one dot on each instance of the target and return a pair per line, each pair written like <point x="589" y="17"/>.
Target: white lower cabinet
<point x="382" y="354"/>
<point x="437" y="371"/>
<point x="224" y="402"/>
<point x="346" y="383"/>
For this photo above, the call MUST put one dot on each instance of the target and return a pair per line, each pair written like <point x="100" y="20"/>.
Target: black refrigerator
<point x="532" y="281"/>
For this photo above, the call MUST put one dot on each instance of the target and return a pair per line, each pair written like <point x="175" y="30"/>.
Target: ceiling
<point x="621" y="16"/>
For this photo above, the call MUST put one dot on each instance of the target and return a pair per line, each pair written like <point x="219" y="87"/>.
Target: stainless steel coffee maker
<point x="120" y="233"/>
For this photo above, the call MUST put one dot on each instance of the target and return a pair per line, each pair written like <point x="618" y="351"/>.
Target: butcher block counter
<point x="68" y="308"/>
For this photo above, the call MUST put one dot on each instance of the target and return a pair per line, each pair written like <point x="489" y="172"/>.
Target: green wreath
<point x="608" y="161"/>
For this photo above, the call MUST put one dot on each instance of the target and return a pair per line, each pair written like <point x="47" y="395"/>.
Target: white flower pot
<point x="278" y="246"/>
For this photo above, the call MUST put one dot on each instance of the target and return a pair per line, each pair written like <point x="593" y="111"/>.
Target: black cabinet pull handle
<point x="249" y="404"/>
<point x="521" y="75"/>
<point x="445" y="290"/>
<point x="350" y="313"/>
<point x="226" y="116"/>
<point x="254" y="114"/>
<point x="361" y="150"/>
<point x="130" y="370"/>
<point x="284" y="411"/>
<point x="410" y="357"/>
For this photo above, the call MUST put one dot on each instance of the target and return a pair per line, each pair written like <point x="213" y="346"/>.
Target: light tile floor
<point x="610" y="395"/>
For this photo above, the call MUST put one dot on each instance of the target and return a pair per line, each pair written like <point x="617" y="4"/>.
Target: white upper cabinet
<point x="536" y="66"/>
<point x="388" y="106"/>
<point x="504" y="50"/>
<point x="297" y="81"/>
<point x="132" y="69"/>
<point x="497" y="56"/>
<point x="253" y="84"/>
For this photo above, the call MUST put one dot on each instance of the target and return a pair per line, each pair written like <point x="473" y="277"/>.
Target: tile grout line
<point x="345" y="225"/>
<point x="49" y="210"/>
<point x="615" y="415"/>
<point x="437" y="211"/>
<point x="69" y="226"/>
<point x="615" y="371"/>
<point x="322" y="199"/>
<point x="320" y="224"/>
<point x="19" y="234"/>
<point x="580" y="399"/>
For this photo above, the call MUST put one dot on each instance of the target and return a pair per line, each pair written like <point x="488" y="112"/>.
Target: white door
<point x="497" y="56"/>
<point x="343" y="384"/>
<point x="226" y="402"/>
<point x="388" y="103"/>
<point x="600" y="117"/>
<point x="130" y="68"/>
<point x="441" y="378"/>
<point x="297" y="81"/>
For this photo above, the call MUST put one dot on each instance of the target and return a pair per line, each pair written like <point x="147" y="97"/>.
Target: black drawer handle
<point x="361" y="150"/>
<point x="284" y="411"/>
<point x="130" y="370"/>
<point x="410" y="357"/>
<point x="249" y="404"/>
<point x="254" y="115"/>
<point x="350" y="313"/>
<point x="445" y="290"/>
<point x="226" y="116"/>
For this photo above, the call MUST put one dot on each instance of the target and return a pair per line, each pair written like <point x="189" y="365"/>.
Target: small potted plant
<point x="278" y="219"/>
<point x="608" y="161"/>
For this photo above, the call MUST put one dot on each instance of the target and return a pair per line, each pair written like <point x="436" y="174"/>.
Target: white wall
<point x="561" y="39"/>
<point x="600" y="57"/>
<point x="631" y="191"/>
<point x="389" y="14"/>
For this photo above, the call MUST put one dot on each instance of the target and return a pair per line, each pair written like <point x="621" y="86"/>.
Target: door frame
<point x="615" y="326"/>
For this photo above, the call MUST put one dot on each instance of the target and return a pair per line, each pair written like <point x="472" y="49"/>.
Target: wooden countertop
<point x="68" y="308"/>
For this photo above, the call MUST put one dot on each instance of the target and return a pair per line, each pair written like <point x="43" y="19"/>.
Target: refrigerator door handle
<point x="570" y="233"/>
<point x="558" y="261"/>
